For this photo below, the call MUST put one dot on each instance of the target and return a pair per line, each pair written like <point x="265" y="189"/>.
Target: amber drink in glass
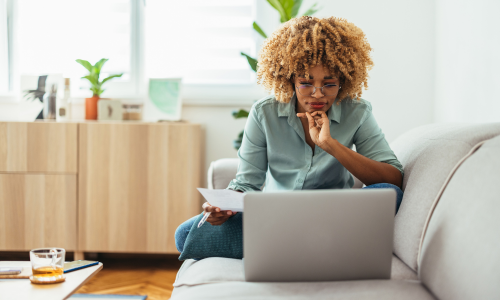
<point x="47" y="265"/>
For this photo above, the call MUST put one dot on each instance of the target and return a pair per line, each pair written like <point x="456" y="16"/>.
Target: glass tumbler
<point x="47" y="265"/>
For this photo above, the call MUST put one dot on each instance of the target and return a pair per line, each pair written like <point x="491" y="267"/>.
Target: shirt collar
<point x="288" y="109"/>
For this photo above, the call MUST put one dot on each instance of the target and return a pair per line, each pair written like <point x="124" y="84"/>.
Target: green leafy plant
<point x="237" y="114"/>
<point x="288" y="9"/>
<point x="95" y="73"/>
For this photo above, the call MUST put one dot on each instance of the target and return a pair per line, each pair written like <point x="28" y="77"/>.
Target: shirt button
<point x="300" y="180"/>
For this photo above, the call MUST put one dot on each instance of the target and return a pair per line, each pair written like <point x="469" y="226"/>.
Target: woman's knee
<point x="180" y="238"/>
<point x="399" y="192"/>
<point x="182" y="232"/>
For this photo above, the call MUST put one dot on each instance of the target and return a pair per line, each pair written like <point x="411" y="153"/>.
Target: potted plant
<point x="95" y="85"/>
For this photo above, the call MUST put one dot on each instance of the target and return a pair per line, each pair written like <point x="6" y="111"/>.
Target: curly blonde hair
<point x="305" y="42"/>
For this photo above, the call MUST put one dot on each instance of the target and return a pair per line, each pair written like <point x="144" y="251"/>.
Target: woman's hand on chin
<point x="217" y="216"/>
<point x="320" y="134"/>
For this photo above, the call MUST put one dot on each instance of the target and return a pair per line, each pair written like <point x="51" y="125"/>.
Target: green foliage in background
<point x="288" y="9"/>
<point x="237" y="115"/>
<point x="251" y="61"/>
<point x="95" y="72"/>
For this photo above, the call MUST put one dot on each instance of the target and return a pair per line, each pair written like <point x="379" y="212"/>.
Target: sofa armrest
<point x="221" y="172"/>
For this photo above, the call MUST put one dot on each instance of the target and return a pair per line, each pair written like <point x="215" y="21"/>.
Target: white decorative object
<point x="63" y="108"/>
<point x="164" y="100"/>
<point x="109" y="110"/>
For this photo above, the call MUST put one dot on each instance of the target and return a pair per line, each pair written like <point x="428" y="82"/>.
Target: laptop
<point x="318" y="235"/>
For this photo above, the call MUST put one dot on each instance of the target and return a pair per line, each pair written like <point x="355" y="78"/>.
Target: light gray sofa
<point x="447" y="231"/>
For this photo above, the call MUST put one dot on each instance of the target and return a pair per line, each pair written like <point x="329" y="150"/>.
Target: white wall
<point x="220" y="129"/>
<point x="467" y="61"/>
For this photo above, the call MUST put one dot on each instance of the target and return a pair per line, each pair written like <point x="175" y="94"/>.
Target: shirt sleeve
<point x="253" y="162"/>
<point x="370" y="142"/>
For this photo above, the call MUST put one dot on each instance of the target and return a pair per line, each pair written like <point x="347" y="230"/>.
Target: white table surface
<point x="24" y="289"/>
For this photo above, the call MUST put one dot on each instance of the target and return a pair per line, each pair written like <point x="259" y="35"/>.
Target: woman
<point x="301" y="138"/>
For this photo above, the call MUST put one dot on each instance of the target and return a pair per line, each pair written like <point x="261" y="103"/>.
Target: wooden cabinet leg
<point x="79" y="255"/>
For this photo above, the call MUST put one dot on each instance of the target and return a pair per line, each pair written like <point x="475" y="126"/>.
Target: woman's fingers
<point x="222" y="214"/>
<point x="323" y="114"/>
<point x="216" y="212"/>
<point x="217" y="223"/>
<point x="319" y="114"/>
<point x="304" y="116"/>
<point x="206" y="206"/>
<point x="209" y="208"/>
<point x="214" y="220"/>
<point x="312" y="123"/>
<point x="220" y="220"/>
<point x="320" y="117"/>
<point x="213" y="209"/>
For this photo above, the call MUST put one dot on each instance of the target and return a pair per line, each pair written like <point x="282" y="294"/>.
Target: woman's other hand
<point x="320" y="134"/>
<point x="217" y="217"/>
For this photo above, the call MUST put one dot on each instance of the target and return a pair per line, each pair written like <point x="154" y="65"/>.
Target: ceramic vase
<point x="91" y="108"/>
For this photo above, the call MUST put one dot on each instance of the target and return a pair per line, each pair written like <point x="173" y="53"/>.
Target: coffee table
<point x="24" y="289"/>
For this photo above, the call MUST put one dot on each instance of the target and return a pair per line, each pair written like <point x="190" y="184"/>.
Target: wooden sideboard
<point x="97" y="187"/>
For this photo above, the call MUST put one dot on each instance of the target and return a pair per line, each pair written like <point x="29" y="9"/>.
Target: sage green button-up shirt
<point x="274" y="149"/>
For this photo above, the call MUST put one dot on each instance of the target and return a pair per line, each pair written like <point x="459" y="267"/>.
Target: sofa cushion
<point x="460" y="256"/>
<point x="218" y="269"/>
<point x="345" y="290"/>
<point x="400" y="271"/>
<point x="209" y="270"/>
<point x="428" y="154"/>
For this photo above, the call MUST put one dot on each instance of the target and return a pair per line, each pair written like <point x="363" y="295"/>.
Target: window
<point x="4" y="53"/>
<point x="198" y="40"/>
<point x="51" y="34"/>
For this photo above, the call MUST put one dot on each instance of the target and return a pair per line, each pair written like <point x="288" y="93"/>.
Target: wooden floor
<point x="151" y="275"/>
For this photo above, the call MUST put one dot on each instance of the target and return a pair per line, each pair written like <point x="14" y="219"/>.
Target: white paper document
<point x="224" y="199"/>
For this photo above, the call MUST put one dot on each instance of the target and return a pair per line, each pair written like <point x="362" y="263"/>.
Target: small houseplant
<point x="288" y="9"/>
<point x="95" y="85"/>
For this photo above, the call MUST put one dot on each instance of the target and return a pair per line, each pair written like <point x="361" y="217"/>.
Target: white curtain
<point x="4" y="53"/>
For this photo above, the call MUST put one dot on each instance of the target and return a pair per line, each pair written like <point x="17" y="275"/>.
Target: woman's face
<point x="318" y="101"/>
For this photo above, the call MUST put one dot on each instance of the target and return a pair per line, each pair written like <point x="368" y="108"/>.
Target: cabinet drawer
<point x="48" y="147"/>
<point x="137" y="183"/>
<point x="37" y="211"/>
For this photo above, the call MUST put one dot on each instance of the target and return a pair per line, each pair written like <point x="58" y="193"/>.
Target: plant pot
<point x="91" y="108"/>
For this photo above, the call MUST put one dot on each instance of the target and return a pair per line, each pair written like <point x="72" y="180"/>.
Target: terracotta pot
<point x="91" y="108"/>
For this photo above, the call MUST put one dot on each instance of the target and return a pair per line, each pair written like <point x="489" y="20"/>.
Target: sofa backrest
<point x="428" y="154"/>
<point x="221" y="172"/>
<point x="460" y="256"/>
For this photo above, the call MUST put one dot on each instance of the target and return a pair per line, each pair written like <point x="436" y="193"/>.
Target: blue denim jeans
<point x="399" y="192"/>
<point x="183" y="230"/>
